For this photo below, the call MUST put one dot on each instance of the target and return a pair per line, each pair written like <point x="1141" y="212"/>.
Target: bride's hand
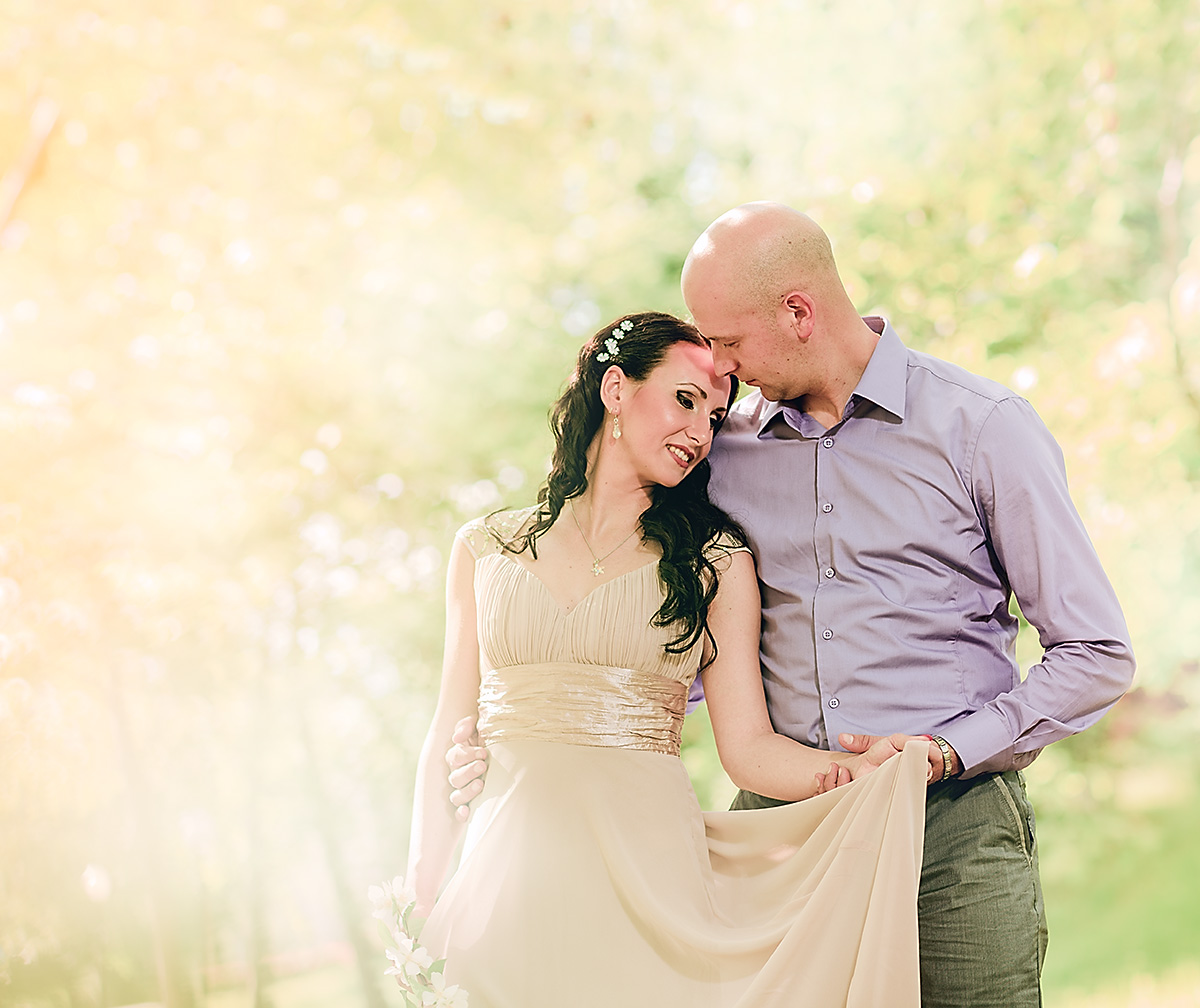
<point x="835" y="776"/>
<point x="875" y="750"/>
<point x="467" y="761"/>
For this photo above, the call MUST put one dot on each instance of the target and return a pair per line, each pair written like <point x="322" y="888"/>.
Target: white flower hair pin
<point x="612" y="343"/>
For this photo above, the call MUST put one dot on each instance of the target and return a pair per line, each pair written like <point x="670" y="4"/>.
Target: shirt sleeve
<point x="1019" y="483"/>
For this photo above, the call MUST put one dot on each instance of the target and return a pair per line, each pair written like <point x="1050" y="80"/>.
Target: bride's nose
<point x="700" y="430"/>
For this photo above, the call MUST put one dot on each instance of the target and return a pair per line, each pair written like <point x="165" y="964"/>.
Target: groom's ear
<point x="796" y="309"/>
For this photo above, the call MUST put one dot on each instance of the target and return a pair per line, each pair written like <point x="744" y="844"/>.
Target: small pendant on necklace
<point x="597" y="570"/>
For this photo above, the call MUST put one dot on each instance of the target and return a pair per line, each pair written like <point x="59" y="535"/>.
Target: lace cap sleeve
<point x="477" y="538"/>
<point x="724" y="545"/>
<point x="493" y="532"/>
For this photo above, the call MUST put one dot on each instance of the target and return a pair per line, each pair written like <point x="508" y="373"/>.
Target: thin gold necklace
<point x="597" y="570"/>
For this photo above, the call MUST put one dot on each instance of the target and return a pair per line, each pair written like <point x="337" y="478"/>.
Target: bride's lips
<point x="678" y="450"/>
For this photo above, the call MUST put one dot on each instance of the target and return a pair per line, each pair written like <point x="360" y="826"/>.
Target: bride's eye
<point x="685" y="400"/>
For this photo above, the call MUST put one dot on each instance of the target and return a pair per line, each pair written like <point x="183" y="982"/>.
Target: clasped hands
<point x="467" y="759"/>
<point x="870" y="752"/>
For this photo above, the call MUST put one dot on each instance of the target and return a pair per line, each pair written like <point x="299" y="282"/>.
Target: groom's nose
<point x="723" y="362"/>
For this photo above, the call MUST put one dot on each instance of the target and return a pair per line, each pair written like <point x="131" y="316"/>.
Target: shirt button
<point x="834" y="701"/>
<point x="827" y="634"/>
<point x="827" y="443"/>
<point x="827" y="508"/>
<point x="829" y="572"/>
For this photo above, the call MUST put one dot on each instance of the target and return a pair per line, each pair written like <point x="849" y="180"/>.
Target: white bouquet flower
<point x="417" y="973"/>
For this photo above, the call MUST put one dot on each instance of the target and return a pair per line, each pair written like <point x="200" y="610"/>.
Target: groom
<point x="895" y="503"/>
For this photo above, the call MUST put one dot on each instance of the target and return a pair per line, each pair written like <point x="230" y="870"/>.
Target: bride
<point x="589" y="875"/>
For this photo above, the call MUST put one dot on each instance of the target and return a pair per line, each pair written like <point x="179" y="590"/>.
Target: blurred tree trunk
<point x="258" y="732"/>
<point x="351" y="908"/>
<point x="174" y="989"/>
<point x="1172" y="255"/>
<point x="14" y="181"/>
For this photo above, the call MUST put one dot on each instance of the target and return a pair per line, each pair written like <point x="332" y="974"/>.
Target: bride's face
<point x="668" y="420"/>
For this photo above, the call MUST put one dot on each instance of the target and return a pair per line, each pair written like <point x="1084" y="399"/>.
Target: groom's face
<point x="753" y="345"/>
<point x="750" y="333"/>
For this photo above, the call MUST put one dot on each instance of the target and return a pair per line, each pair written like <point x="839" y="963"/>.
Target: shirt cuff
<point x="984" y="744"/>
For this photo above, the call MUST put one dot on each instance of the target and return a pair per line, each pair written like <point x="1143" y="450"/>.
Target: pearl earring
<point x="616" y="428"/>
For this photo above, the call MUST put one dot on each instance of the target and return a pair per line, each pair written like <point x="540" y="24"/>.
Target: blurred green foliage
<point x="285" y="290"/>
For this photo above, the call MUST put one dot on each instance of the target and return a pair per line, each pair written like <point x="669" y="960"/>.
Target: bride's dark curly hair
<point x="680" y="519"/>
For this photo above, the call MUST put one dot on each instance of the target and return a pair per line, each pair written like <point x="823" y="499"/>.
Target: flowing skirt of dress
<point x="590" y="879"/>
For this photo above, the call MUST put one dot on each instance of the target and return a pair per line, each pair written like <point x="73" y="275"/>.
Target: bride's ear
<point x="612" y="384"/>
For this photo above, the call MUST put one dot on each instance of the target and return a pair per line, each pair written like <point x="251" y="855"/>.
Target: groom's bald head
<point x="754" y="254"/>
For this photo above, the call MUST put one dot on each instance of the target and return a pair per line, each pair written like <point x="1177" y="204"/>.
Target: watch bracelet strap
<point x="947" y="763"/>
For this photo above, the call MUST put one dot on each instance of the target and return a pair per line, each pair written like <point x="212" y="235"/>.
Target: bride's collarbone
<point x="579" y="565"/>
<point x="569" y="575"/>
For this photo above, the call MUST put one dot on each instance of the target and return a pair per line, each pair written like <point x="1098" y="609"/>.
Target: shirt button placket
<point x="826" y="574"/>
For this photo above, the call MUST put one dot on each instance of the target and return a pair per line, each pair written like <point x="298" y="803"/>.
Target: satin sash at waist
<point x="595" y="705"/>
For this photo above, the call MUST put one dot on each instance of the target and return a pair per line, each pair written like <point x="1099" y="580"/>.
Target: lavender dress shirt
<point x="888" y="547"/>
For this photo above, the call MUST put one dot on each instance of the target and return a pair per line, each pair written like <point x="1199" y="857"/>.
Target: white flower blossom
<point x="412" y="965"/>
<point x="390" y="899"/>
<point x="408" y="959"/>
<point x="443" y="995"/>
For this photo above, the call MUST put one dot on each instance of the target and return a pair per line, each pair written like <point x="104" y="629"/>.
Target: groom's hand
<point x="467" y="760"/>
<point x="875" y="750"/>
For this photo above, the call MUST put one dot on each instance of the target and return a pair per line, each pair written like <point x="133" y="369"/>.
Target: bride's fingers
<point x="461" y="776"/>
<point x="462" y="796"/>
<point x="459" y="755"/>
<point x="831" y="778"/>
<point x="836" y="776"/>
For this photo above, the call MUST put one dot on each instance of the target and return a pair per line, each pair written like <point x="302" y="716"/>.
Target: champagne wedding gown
<point x="590" y="878"/>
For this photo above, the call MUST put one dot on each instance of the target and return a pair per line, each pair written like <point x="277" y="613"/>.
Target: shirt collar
<point x="883" y="382"/>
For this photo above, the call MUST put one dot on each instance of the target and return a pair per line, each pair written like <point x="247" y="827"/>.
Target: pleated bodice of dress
<point x="595" y="674"/>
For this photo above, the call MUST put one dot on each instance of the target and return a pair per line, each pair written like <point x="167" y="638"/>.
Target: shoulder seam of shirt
<point x="978" y="433"/>
<point x="976" y="437"/>
<point x="993" y="398"/>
